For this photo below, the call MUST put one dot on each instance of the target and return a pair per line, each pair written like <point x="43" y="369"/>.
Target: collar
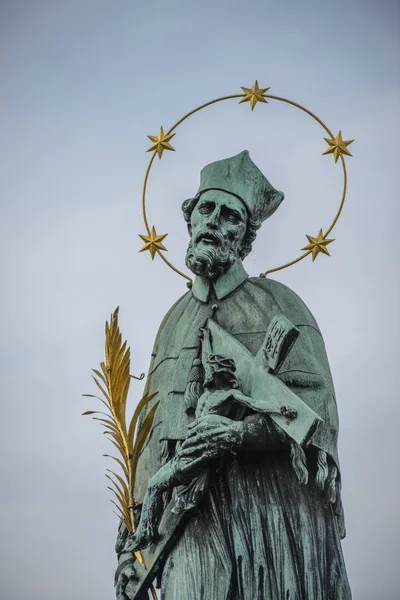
<point x="224" y="285"/>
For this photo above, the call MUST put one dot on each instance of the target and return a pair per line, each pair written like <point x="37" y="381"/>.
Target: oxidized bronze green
<point x="239" y="481"/>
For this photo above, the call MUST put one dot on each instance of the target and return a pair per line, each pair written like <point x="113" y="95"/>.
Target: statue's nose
<point x="213" y="220"/>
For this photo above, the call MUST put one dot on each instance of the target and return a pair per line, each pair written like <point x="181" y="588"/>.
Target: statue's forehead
<point x="227" y="199"/>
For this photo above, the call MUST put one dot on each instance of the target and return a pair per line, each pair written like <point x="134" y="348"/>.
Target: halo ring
<point x="232" y="97"/>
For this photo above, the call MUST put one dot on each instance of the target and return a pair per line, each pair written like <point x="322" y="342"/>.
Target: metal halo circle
<point x="232" y="97"/>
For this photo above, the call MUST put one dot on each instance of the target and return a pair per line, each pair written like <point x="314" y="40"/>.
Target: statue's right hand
<point x="125" y="575"/>
<point x="126" y="570"/>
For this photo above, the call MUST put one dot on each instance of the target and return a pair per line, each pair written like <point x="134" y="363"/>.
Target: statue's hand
<point x="211" y="437"/>
<point x="152" y="508"/>
<point x="126" y="571"/>
<point x="125" y="575"/>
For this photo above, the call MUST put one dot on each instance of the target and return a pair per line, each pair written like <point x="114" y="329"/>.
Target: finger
<point x="193" y="448"/>
<point x="131" y="573"/>
<point x="196" y="427"/>
<point x="192" y="445"/>
<point x="219" y="443"/>
<point x="194" y="423"/>
<point x="130" y="591"/>
<point x="187" y="443"/>
<point x="198" y="421"/>
<point x="120" y="587"/>
<point x="139" y="543"/>
<point x="131" y="545"/>
<point x="189" y="436"/>
<point x="189" y="451"/>
<point x="202" y="435"/>
<point x="198" y="462"/>
<point x="205" y="449"/>
<point x="136" y="538"/>
<point x="200" y="427"/>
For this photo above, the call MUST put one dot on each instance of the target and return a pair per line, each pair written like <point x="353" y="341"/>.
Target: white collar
<point x="224" y="285"/>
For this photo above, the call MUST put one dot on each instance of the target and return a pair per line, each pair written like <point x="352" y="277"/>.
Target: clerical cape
<point x="259" y="531"/>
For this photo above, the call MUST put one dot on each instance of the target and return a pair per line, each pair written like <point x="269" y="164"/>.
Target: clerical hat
<point x="239" y="176"/>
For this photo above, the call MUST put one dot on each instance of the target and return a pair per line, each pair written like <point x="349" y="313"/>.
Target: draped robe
<point x="259" y="534"/>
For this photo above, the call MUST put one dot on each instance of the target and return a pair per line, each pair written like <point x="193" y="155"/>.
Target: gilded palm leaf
<point x="113" y="380"/>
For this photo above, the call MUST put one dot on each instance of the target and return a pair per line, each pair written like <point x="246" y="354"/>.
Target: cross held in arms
<point x="257" y="378"/>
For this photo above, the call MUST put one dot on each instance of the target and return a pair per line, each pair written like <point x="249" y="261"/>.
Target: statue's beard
<point x="210" y="260"/>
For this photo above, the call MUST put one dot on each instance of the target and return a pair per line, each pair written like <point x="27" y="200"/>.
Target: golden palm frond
<point x="113" y="380"/>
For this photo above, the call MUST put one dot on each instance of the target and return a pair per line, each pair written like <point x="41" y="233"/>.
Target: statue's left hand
<point x="211" y="437"/>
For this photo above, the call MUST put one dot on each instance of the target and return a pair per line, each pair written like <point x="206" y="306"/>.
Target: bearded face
<point x="217" y="227"/>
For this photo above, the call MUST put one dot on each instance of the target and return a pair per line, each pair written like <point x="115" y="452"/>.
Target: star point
<point x="153" y="242"/>
<point x="254" y="95"/>
<point x="318" y="244"/>
<point x="337" y="146"/>
<point x="160" y="142"/>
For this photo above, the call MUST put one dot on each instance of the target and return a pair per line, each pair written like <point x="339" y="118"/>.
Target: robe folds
<point x="258" y="534"/>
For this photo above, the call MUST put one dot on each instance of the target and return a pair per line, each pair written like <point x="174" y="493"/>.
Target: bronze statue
<point x="238" y="482"/>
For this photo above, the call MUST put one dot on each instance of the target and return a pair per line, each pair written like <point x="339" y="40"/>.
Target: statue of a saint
<point x="263" y="515"/>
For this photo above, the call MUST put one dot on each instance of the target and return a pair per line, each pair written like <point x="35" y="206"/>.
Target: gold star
<point x="254" y="95"/>
<point x="337" y="146"/>
<point x="318" y="244"/>
<point x="161" y="142"/>
<point x="153" y="242"/>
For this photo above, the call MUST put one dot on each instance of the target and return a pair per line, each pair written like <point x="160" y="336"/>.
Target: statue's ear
<point x="189" y="228"/>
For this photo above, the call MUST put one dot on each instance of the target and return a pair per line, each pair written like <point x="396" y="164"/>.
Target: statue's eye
<point x="205" y="208"/>
<point x="233" y="217"/>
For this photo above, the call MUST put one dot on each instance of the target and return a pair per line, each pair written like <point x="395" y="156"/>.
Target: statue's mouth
<point x="208" y="238"/>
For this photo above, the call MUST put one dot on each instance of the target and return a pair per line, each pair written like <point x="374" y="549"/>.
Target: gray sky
<point x="82" y="85"/>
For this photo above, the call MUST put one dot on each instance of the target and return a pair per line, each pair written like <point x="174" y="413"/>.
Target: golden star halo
<point x="160" y="142"/>
<point x="153" y="242"/>
<point x="254" y="95"/>
<point x="318" y="244"/>
<point x="337" y="146"/>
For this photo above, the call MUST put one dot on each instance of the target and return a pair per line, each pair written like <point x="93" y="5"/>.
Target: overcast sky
<point x="83" y="82"/>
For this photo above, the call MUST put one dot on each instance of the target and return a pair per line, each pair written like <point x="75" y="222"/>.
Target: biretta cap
<point x="239" y="176"/>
